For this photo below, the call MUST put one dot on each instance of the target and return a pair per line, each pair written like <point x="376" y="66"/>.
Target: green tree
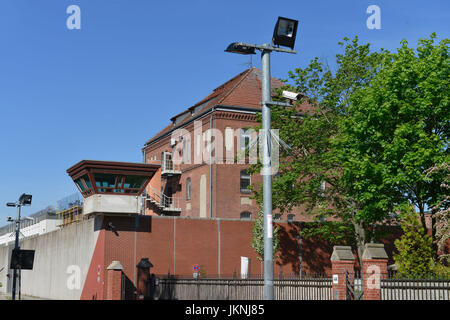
<point x="258" y="237"/>
<point x="415" y="252"/>
<point x="312" y="157"/>
<point x="398" y="127"/>
<point x="441" y="211"/>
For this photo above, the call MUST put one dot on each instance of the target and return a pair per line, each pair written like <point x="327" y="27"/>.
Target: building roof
<point x="244" y="90"/>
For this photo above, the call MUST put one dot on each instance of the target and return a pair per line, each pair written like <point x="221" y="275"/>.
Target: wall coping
<point x="115" y="265"/>
<point x="374" y="251"/>
<point x="342" y="253"/>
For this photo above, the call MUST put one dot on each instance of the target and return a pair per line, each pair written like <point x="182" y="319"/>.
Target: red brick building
<point x="202" y="188"/>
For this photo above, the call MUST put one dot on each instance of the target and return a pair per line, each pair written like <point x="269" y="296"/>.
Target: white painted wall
<point x="55" y="252"/>
<point x="41" y="227"/>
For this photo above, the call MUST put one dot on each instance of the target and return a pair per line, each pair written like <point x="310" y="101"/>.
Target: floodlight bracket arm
<point x="266" y="47"/>
<point x="263" y="47"/>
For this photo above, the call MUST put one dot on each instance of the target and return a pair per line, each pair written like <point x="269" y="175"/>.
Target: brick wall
<point x="174" y="245"/>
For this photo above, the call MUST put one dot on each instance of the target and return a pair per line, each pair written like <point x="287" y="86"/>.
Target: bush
<point x="415" y="250"/>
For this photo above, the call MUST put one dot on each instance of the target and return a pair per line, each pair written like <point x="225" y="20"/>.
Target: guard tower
<point x="112" y="187"/>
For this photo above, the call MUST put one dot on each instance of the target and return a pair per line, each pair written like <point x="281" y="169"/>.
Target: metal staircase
<point x="163" y="202"/>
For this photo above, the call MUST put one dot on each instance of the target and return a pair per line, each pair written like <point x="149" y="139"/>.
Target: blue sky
<point x="100" y="92"/>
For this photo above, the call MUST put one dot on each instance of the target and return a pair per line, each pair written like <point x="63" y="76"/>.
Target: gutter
<point x="210" y="167"/>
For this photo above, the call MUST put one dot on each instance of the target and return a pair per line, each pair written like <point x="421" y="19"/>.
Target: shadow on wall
<point x="125" y="223"/>
<point x="388" y="235"/>
<point x="315" y="254"/>
<point x="128" y="288"/>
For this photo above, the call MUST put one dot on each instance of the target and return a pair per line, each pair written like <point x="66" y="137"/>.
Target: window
<point x="246" y="215"/>
<point x="167" y="163"/>
<point x="277" y="216"/>
<point x="133" y="182"/>
<point x="116" y="183"/>
<point x="188" y="189"/>
<point x="84" y="184"/>
<point x="187" y="150"/>
<point x="290" y="217"/>
<point x="245" y="181"/>
<point x="245" y="139"/>
<point x="248" y="148"/>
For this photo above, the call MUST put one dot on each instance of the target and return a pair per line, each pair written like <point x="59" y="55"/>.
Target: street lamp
<point x="284" y="35"/>
<point x="24" y="200"/>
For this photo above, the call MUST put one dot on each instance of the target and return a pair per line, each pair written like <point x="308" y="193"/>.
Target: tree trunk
<point x="433" y="234"/>
<point x="360" y="235"/>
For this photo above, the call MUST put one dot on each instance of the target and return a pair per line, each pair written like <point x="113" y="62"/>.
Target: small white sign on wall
<point x="335" y="279"/>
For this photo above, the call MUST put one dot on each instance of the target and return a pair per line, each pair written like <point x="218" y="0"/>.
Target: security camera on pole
<point x="284" y="35"/>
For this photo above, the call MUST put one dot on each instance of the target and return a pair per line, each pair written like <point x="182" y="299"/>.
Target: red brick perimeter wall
<point x="175" y="245"/>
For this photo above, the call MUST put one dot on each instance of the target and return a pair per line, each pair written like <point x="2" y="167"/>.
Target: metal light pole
<point x="16" y="247"/>
<point x="24" y="199"/>
<point x="267" y="175"/>
<point x="284" y="34"/>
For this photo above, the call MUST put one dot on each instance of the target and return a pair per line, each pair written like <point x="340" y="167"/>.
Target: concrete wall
<point x="107" y="203"/>
<point x="41" y="227"/>
<point x="69" y="249"/>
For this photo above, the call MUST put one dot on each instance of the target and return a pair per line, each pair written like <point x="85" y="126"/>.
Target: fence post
<point x="114" y="281"/>
<point x="342" y="260"/>
<point x="374" y="269"/>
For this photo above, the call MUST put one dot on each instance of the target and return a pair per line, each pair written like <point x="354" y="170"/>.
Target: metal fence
<point x="68" y="202"/>
<point x="415" y="287"/>
<point x="252" y="288"/>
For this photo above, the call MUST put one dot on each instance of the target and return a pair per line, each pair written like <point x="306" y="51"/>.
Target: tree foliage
<point x="379" y="120"/>
<point x="441" y="211"/>
<point x="258" y="237"/>
<point x="312" y="157"/>
<point x="398" y="127"/>
<point x="415" y="253"/>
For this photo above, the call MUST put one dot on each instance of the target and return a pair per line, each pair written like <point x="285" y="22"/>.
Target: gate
<point x="354" y="286"/>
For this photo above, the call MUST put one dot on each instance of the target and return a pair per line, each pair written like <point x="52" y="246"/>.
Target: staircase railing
<point x="163" y="201"/>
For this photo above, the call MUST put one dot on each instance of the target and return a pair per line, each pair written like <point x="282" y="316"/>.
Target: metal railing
<point x="164" y="202"/>
<point x="415" y="287"/>
<point x="232" y="288"/>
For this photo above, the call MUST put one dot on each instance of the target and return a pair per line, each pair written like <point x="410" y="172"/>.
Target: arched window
<point x="245" y="181"/>
<point x="188" y="189"/>
<point x="246" y="215"/>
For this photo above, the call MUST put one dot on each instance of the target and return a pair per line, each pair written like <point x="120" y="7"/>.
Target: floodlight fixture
<point x="25" y="199"/>
<point x="240" y="48"/>
<point x="285" y="32"/>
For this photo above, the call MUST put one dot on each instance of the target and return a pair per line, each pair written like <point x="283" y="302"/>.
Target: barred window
<point x="246" y="215"/>
<point x="245" y="181"/>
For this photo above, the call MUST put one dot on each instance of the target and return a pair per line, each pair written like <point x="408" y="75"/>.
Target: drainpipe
<point x="210" y="166"/>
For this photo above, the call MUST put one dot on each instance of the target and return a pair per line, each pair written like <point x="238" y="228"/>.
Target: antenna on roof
<point x="249" y="64"/>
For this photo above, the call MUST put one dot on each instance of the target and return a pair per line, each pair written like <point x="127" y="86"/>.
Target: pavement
<point x="4" y="296"/>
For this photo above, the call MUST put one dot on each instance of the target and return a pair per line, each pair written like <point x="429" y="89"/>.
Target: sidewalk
<point x="4" y="296"/>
